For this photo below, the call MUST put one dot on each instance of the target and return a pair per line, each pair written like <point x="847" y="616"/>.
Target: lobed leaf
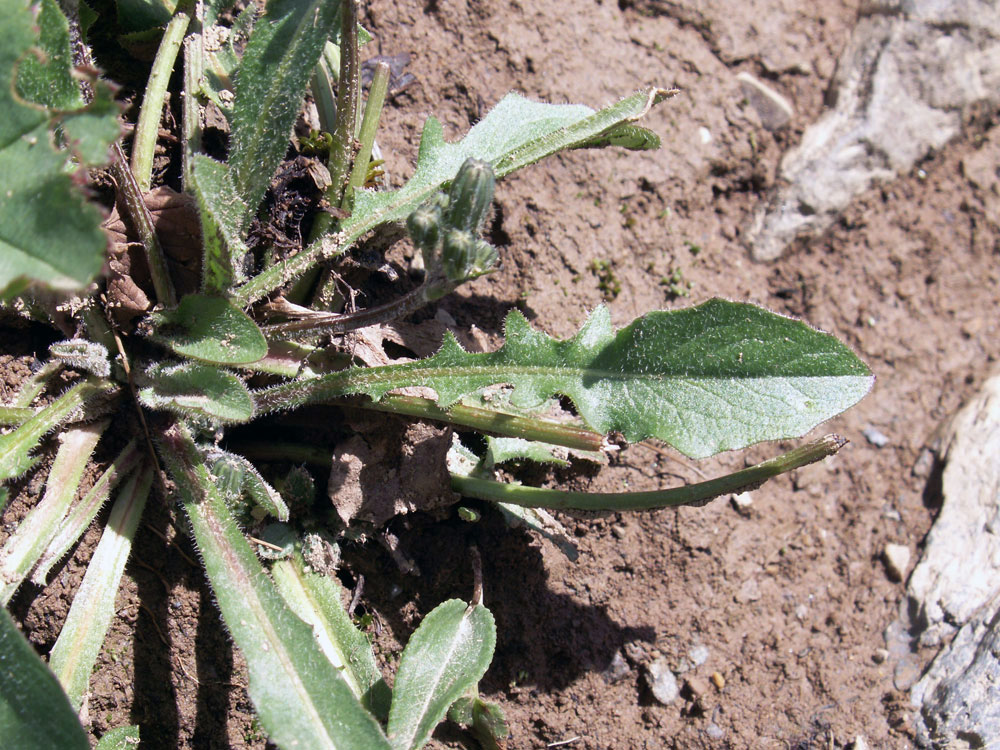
<point x="284" y="47"/>
<point x="209" y="329"/>
<point x="35" y="76"/>
<point x="445" y="657"/>
<point x="34" y="711"/>
<point x="516" y="132"/>
<point x="302" y="701"/>
<point x="197" y="391"/>
<point x="716" y="377"/>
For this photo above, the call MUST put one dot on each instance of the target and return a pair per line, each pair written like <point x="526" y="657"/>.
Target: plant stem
<point x="322" y="90"/>
<point x="293" y="452"/>
<point x="132" y="206"/>
<point x="342" y="323"/>
<point x="342" y="151"/>
<point x="194" y="64"/>
<point x="34" y="385"/>
<point x="369" y="125"/>
<point x="693" y="494"/>
<point x="144" y="138"/>
<point x="495" y="422"/>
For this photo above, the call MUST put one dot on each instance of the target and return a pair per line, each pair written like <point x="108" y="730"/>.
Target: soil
<point x="788" y="595"/>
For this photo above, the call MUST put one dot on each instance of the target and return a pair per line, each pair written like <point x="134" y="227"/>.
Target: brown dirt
<point x="790" y="597"/>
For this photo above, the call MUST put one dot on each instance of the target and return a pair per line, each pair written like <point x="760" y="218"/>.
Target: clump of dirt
<point x="770" y="613"/>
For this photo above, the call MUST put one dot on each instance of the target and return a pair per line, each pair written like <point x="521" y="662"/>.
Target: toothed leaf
<point x="716" y="377"/>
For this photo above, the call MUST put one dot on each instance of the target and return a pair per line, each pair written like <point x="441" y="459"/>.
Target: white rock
<point x="662" y="682"/>
<point x="774" y="110"/>
<point x="897" y="560"/>
<point x="698" y="655"/>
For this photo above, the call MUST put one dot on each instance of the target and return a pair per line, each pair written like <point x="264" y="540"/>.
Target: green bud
<point x="470" y="196"/>
<point x="424" y="226"/>
<point x="229" y="475"/>
<point x="458" y="254"/>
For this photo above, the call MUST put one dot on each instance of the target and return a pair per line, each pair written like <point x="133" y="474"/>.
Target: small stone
<point x="704" y="135"/>
<point x="697" y="687"/>
<point x="880" y="655"/>
<point x="749" y="591"/>
<point x="860" y="743"/>
<point x="662" y="682"/>
<point x="801" y="612"/>
<point x="635" y="653"/>
<point x="897" y="560"/>
<point x="718" y="680"/>
<point x="876" y="437"/>
<point x="774" y="110"/>
<point x="618" y="530"/>
<point x="742" y="502"/>
<point x="714" y="731"/>
<point x="617" y="669"/>
<point x="698" y="655"/>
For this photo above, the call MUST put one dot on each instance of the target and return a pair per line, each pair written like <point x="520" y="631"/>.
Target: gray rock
<point x="897" y="561"/>
<point x="909" y="75"/>
<point x="617" y="669"/>
<point x="955" y="589"/>
<point x="714" y="731"/>
<point x="876" y="437"/>
<point x="662" y="682"/>
<point x="774" y="110"/>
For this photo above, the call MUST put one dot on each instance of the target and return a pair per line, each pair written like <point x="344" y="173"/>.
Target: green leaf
<point x="120" y="738"/>
<point x="16" y="446"/>
<point x="79" y="643"/>
<point x="34" y="184"/>
<point x="302" y="701"/>
<point x="139" y="15"/>
<point x="197" y="391"/>
<point x="209" y="329"/>
<point x="711" y="378"/>
<point x="446" y="656"/>
<point x="500" y="450"/>
<point x="485" y="720"/>
<point x="317" y="600"/>
<point x="221" y="212"/>
<point x="23" y="549"/>
<point x="35" y="713"/>
<point x="284" y="47"/>
<point x="516" y="132"/>
<point x="631" y="137"/>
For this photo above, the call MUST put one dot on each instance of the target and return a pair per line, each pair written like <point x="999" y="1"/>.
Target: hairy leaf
<point x="139" y="15"/>
<point x="197" y="391"/>
<point x="120" y="738"/>
<point x="210" y="329"/>
<point x="34" y="711"/>
<point x="516" y="132"/>
<point x="284" y="47"/>
<point x="16" y="447"/>
<point x="221" y="212"/>
<point x="79" y="643"/>
<point x="716" y="377"/>
<point x="445" y="657"/>
<point x="37" y="92"/>
<point x="302" y="701"/>
<point x="317" y="600"/>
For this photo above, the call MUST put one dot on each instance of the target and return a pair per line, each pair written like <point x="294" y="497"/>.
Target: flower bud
<point x="457" y="254"/>
<point x="424" y="226"/>
<point x="470" y="196"/>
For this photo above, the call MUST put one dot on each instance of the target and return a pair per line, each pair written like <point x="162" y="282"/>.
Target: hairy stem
<point x="692" y="494"/>
<point x="144" y="139"/>
<point x="194" y="63"/>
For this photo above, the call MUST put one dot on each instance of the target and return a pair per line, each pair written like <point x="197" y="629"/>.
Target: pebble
<point x="662" y="682"/>
<point x="897" y="560"/>
<point x="880" y="655"/>
<point x="742" y="502"/>
<point x="718" y="680"/>
<point x="774" y="110"/>
<point x="697" y="687"/>
<point x="860" y="743"/>
<point x="617" y="669"/>
<point x="876" y="437"/>
<point x="714" y="731"/>
<point x="698" y="655"/>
